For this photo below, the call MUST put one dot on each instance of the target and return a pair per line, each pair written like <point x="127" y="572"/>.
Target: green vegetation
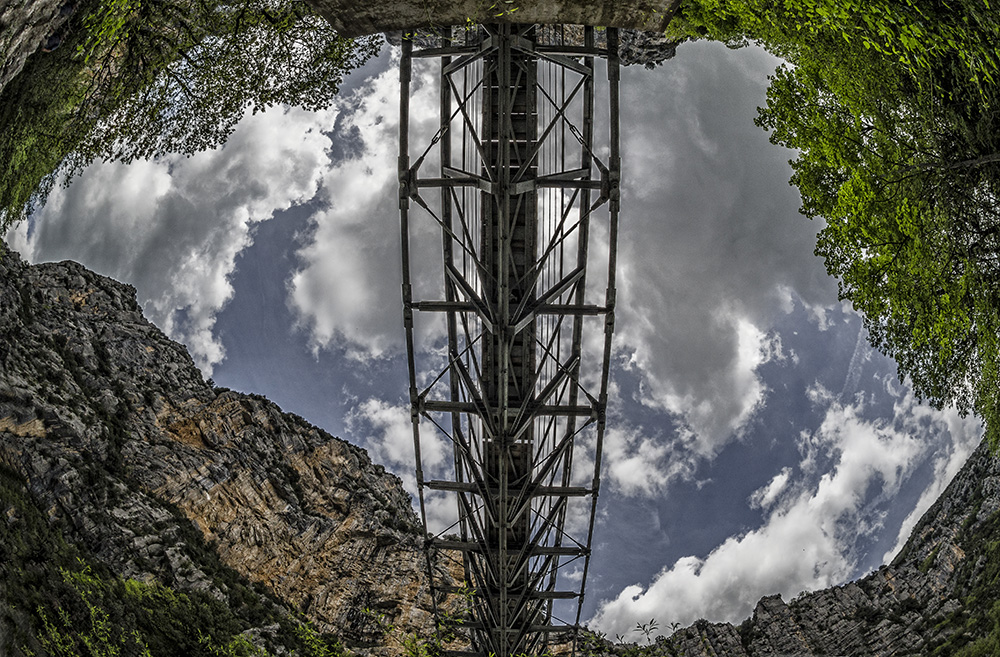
<point x="142" y="78"/>
<point x="974" y="629"/>
<point x="989" y="645"/>
<point x="63" y="602"/>
<point x="926" y="564"/>
<point x="35" y="108"/>
<point x="893" y="108"/>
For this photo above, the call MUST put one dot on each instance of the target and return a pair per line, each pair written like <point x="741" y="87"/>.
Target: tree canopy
<point x="893" y="109"/>
<point x="142" y="78"/>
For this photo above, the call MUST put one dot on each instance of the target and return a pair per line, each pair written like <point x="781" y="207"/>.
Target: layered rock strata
<point x="120" y="440"/>
<point x="128" y="450"/>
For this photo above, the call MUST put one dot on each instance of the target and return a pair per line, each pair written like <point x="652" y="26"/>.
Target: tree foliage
<point x="152" y="77"/>
<point x="179" y="74"/>
<point x="892" y="107"/>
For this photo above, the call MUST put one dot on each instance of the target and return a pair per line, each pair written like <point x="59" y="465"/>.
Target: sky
<point x="755" y="445"/>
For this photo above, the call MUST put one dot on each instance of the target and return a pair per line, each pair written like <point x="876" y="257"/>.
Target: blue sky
<point x="756" y="444"/>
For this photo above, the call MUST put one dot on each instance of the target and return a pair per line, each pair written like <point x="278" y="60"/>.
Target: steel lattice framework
<point x="526" y="203"/>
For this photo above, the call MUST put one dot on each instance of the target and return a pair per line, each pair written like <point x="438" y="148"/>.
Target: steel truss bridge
<point x="523" y="200"/>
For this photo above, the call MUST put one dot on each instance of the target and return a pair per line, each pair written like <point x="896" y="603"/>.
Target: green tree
<point x="892" y="109"/>
<point x="177" y="75"/>
<point x="168" y="76"/>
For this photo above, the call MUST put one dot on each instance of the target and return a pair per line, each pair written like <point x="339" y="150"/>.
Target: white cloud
<point x="391" y="435"/>
<point x="712" y="248"/>
<point x="442" y="512"/>
<point x="638" y="464"/>
<point x="765" y="496"/>
<point x="174" y="226"/>
<point x="814" y="521"/>
<point x="713" y="406"/>
<point x="966" y="434"/>
<point x="348" y="288"/>
<point x="386" y="432"/>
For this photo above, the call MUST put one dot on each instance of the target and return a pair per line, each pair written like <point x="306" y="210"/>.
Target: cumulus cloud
<point x="392" y="442"/>
<point x="712" y="247"/>
<point x="174" y="226"/>
<point x="814" y="519"/>
<point x="640" y="464"/>
<point x="347" y="290"/>
<point x="966" y="433"/>
<point x="765" y="496"/>
<point x="386" y="431"/>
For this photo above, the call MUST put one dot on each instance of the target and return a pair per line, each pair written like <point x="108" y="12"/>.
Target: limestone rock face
<point x="649" y="49"/>
<point x="25" y="26"/>
<point x="123" y="442"/>
<point x="133" y="456"/>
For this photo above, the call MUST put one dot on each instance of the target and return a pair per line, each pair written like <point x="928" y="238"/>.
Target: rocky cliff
<point x="125" y="448"/>
<point x="940" y="595"/>
<point x="135" y="495"/>
<point x="27" y="26"/>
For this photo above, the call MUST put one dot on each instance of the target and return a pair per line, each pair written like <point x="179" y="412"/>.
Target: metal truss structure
<point x="525" y="201"/>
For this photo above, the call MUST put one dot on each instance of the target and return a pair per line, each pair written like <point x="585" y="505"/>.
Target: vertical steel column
<point x="509" y="233"/>
<point x="406" y="191"/>
<point x="613" y="193"/>
<point x="516" y="242"/>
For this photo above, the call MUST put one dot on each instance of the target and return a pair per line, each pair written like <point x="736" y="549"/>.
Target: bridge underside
<point x="352" y="18"/>
<point x="524" y="201"/>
